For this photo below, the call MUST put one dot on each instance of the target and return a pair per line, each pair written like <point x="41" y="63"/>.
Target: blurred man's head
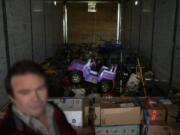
<point x="26" y="87"/>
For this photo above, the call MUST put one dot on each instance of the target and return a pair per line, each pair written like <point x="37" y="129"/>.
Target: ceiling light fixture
<point x="136" y="2"/>
<point x="91" y="6"/>
<point x="55" y="3"/>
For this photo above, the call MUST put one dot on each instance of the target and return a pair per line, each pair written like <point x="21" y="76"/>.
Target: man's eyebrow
<point x="43" y="85"/>
<point x="23" y="90"/>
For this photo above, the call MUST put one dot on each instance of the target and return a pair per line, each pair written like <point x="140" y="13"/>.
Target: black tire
<point x="106" y="86"/>
<point x="76" y="77"/>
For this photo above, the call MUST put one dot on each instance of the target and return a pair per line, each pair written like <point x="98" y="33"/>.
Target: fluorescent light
<point x="136" y="2"/>
<point x="91" y="6"/>
<point x="37" y="10"/>
<point x="55" y="3"/>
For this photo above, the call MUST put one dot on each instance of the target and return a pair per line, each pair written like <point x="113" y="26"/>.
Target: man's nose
<point x="35" y="96"/>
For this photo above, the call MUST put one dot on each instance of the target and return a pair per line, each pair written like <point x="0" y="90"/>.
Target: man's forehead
<point x="26" y="76"/>
<point x="28" y="79"/>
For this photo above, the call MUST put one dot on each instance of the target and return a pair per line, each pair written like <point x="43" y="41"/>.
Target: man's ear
<point x="12" y="99"/>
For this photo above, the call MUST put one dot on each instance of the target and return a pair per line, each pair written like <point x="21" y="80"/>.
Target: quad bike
<point x="80" y="70"/>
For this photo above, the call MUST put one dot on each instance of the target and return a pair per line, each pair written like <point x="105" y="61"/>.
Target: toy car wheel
<point x="105" y="86"/>
<point x="76" y="77"/>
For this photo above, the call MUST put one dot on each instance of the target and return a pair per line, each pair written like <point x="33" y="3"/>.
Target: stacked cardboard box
<point x="84" y="131"/>
<point x="173" y="111"/>
<point x="95" y="112"/>
<point x="161" y="128"/>
<point x="157" y="111"/>
<point x="118" y="130"/>
<point x="156" y="129"/>
<point x="113" y="112"/>
<point x="175" y="128"/>
<point x="73" y="109"/>
<point x="114" y="116"/>
<point x="162" y="117"/>
<point x="173" y="116"/>
<point x="120" y="114"/>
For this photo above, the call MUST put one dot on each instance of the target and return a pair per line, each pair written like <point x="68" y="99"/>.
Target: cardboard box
<point x="118" y="130"/>
<point x="158" y="130"/>
<point x="175" y="128"/>
<point x="120" y="114"/>
<point x="116" y="100"/>
<point x="86" y="112"/>
<point x="84" y="131"/>
<point x="96" y="112"/>
<point x="74" y="118"/>
<point x="68" y="103"/>
<point x="73" y="109"/>
<point x="173" y="111"/>
<point x="157" y="111"/>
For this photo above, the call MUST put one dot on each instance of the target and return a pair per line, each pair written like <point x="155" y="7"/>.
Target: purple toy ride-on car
<point x="81" y="70"/>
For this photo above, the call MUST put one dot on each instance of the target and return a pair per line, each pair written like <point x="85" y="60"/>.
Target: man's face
<point x="29" y="93"/>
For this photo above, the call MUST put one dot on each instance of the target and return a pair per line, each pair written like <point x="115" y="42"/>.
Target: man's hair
<point x="22" y="68"/>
